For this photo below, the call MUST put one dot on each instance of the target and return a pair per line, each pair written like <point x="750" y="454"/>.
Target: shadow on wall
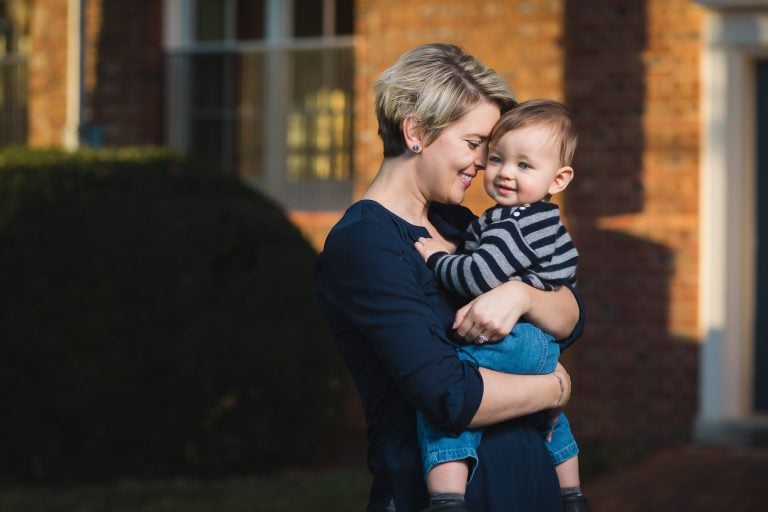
<point x="124" y="87"/>
<point x="635" y="381"/>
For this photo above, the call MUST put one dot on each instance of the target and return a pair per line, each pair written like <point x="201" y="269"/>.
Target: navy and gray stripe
<point x="524" y="242"/>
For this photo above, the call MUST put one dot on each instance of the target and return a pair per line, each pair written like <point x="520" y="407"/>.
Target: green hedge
<point x="155" y="320"/>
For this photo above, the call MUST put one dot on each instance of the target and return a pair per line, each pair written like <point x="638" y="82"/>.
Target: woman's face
<point x="452" y="160"/>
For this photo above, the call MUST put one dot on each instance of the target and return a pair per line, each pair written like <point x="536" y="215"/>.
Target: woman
<point x="396" y="331"/>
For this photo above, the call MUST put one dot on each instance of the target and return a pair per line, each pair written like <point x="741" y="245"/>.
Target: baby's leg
<point x="568" y="473"/>
<point x="448" y="478"/>
<point x="567" y="467"/>
<point x="570" y="486"/>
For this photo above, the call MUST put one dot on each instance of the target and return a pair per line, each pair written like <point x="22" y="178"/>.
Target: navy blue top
<point x="392" y="324"/>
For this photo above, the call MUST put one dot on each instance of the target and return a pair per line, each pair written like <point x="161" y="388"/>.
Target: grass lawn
<point x="337" y="490"/>
<point x="332" y="490"/>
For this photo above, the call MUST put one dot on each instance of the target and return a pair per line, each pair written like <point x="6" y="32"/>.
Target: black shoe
<point x="575" y="503"/>
<point x="451" y="506"/>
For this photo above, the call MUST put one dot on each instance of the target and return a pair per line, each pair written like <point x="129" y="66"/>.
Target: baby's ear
<point x="563" y="177"/>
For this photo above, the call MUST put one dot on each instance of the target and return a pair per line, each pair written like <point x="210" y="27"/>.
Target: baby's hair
<point x="546" y="113"/>
<point x="436" y="84"/>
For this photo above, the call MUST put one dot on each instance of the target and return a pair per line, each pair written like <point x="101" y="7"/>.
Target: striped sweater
<point x="525" y="242"/>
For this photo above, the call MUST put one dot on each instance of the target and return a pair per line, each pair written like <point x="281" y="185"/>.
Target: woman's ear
<point x="411" y="134"/>
<point x="563" y="177"/>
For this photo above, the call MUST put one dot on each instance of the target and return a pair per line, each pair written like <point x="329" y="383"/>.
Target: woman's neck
<point x="395" y="188"/>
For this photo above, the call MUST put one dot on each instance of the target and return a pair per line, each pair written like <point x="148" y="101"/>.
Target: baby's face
<point x="522" y="166"/>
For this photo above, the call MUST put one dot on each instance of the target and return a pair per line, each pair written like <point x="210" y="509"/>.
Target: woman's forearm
<point x="554" y="312"/>
<point x="507" y="396"/>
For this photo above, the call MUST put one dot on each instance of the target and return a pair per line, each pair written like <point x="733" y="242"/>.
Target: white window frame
<point x="178" y="36"/>
<point x="736" y="36"/>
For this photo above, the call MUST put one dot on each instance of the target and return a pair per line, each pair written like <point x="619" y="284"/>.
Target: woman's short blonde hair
<point x="436" y="84"/>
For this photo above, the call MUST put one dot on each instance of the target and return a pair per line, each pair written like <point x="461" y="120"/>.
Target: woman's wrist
<point x="519" y="293"/>
<point x="560" y="382"/>
<point x="555" y="312"/>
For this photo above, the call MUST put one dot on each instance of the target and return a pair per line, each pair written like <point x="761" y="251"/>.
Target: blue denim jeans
<point x="527" y="350"/>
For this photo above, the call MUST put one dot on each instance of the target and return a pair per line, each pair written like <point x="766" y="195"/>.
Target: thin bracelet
<point x="562" y="389"/>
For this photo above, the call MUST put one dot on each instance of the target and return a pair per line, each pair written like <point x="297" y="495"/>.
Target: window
<point x="263" y="89"/>
<point x="14" y="16"/>
<point x="761" y="328"/>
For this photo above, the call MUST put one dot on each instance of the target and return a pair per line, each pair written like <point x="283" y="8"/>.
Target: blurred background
<point x="172" y="167"/>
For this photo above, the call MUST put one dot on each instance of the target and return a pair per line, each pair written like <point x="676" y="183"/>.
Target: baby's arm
<point x="429" y="246"/>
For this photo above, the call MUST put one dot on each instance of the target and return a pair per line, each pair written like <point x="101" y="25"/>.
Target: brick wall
<point x="124" y="77"/>
<point x="632" y="77"/>
<point x="47" y="72"/>
<point x="123" y="71"/>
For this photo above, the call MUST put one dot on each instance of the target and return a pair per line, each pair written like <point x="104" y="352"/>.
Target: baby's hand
<point x="429" y="246"/>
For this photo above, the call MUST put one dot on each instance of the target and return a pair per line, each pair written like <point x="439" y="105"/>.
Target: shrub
<point x="156" y="319"/>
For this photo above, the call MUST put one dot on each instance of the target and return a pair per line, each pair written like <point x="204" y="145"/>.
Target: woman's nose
<point x="481" y="156"/>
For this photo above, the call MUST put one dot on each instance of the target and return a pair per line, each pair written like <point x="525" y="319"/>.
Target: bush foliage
<point x="155" y="320"/>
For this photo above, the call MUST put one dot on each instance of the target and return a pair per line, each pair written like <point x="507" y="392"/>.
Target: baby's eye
<point x="495" y="159"/>
<point x="524" y="165"/>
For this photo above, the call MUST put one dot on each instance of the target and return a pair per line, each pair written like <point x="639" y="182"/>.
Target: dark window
<point x="250" y="20"/>
<point x="13" y="75"/>
<point x="308" y="18"/>
<point x="210" y="17"/>
<point x="761" y="323"/>
<point x="345" y="17"/>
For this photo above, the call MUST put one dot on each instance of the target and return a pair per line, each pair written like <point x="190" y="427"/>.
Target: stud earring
<point x="416" y="148"/>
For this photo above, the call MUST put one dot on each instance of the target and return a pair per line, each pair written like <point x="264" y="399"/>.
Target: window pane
<point x="249" y="117"/>
<point x="761" y="328"/>
<point x="207" y="82"/>
<point x="13" y="100"/>
<point x="250" y="19"/>
<point x="308" y="18"/>
<point x="209" y="20"/>
<point x="345" y="17"/>
<point x="206" y="140"/>
<point x="210" y="110"/>
<point x="319" y="123"/>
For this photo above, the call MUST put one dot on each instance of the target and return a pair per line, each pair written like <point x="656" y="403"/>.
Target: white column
<point x="74" y="75"/>
<point x="734" y="38"/>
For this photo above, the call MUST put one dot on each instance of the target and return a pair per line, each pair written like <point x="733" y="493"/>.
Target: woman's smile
<point x="465" y="179"/>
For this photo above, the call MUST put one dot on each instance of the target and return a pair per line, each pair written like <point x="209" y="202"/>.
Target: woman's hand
<point x="494" y="313"/>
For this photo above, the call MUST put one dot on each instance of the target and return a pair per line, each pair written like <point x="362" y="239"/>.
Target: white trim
<point x="177" y="34"/>
<point x="733" y="4"/>
<point x="177" y="23"/>
<point x="70" y="137"/>
<point x="279" y="20"/>
<point x="734" y="40"/>
<point x="329" y="18"/>
<point x="305" y="43"/>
